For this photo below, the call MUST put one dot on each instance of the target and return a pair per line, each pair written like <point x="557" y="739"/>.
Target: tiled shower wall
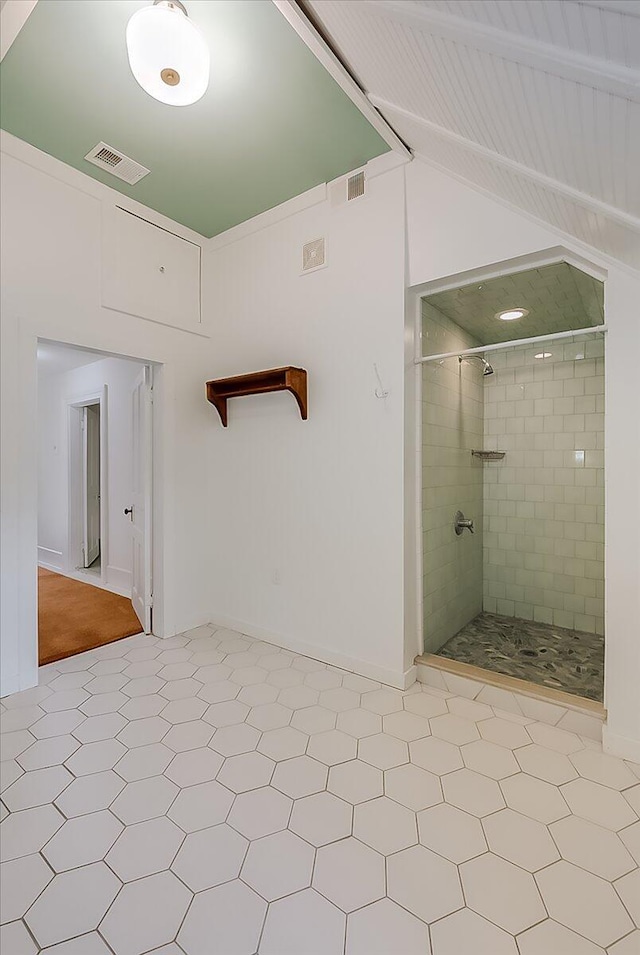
<point x="452" y="424"/>
<point x="544" y="502"/>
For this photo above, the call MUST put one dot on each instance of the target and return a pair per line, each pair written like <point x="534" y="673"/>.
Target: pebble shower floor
<point x="568" y="660"/>
<point x="213" y="794"/>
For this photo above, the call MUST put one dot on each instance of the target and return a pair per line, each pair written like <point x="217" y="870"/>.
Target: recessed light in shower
<point x="511" y="314"/>
<point x="544" y="354"/>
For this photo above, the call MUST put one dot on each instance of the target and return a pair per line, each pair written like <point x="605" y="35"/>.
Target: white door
<point x="139" y="510"/>
<point x="91" y="483"/>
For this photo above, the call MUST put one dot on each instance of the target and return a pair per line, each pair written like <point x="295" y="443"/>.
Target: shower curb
<point x="545" y="704"/>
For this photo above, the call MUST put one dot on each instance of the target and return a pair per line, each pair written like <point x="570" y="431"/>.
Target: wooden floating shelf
<point x="259" y="383"/>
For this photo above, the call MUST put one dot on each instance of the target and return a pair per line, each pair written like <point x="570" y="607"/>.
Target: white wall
<point x="54" y="394"/>
<point x="51" y="286"/>
<point x="452" y="228"/>
<point x="307" y="517"/>
<point x="320" y="505"/>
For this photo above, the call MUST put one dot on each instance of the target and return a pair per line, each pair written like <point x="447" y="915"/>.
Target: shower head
<point x="487" y="368"/>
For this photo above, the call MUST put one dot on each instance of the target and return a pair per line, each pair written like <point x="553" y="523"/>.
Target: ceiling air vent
<point x="355" y="186"/>
<point x="110" y="160"/>
<point x="313" y="255"/>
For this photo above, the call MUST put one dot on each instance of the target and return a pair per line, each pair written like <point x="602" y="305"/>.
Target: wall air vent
<point x="355" y="186"/>
<point x="110" y="160"/>
<point x="313" y="255"/>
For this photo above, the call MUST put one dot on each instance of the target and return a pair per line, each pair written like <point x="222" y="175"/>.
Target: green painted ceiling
<point x="272" y="124"/>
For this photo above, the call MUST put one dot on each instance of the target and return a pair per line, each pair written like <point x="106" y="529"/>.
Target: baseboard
<point x="622" y="746"/>
<point x="118" y="580"/>
<point x="9" y="683"/>
<point x="15" y="682"/>
<point x="49" y="559"/>
<point x="398" y="679"/>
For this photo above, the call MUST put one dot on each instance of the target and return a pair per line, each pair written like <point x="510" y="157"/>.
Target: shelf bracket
<point x="289" y="378"/>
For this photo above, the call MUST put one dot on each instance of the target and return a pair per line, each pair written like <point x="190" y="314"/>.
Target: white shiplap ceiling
<point x="537" y="102"/>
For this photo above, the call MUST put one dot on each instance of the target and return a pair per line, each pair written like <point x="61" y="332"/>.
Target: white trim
<point x="398" y="679"/>
<point x="13" y="16"/>
<point x="50" y="166"/>
<point x="49" y="559"/>
<point x="520" y="263"/>
<point x="560" y="61"/>
<point x="72" y="562"/>
<point x="308" y="33"/>
<point x="265" y="219"/>
<point x="588" y="202"/>
<point x="621" y="746"/>
<point x="501" y="346"/>
<point x="313" y="197"/>
<point x="118" y="580"/>
<point x="629" y="8"/>
<point x="94" y="580"/>
<point x="28" y="332"/>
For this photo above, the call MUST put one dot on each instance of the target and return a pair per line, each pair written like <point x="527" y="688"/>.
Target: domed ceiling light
<point x="168" y="54"/>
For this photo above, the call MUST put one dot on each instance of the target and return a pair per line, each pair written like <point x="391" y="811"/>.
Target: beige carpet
<point x="73" y="617"/>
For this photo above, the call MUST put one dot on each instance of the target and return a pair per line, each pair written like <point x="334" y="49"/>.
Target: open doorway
<point x="94" y="499"/>
<point x="512" y="437"/>
<point x="87" y="439"/>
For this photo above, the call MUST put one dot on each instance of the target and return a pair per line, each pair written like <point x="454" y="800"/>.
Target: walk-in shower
<point x="513" y="448"/>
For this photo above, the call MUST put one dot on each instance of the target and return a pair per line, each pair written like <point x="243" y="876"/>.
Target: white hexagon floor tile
<point x="146" y="914"/>
<point x="300" y="776"/>
<point x="413" y="787"/>
<point x="451" y="833"/>
<point x="303" y="922"/>
<point x="592" y="848"/>
<point x="410" y="872"/>
<point x="199" y="807"/>
<point x="584" y="903"/>
<point x="385" y="927"/>
<point x="72" y="904"/>
<point x="453" y="934"/>
<point x="520" y="840"/>
<point x="82" y="840"/>
<point x="321" y="818"/>
<point x="355" y="781"/>
<point x="502" y="893"/>
<point x="260" y="812"/>
<point x="550" y="936"/>
<point x="385" y="825"/>
<point x="278" y="865"/>
<point x="210" y="857"/>
<point x="22" y="880"/>
<point x="144" y="848"/>
<point x="213" y="793"/>
<point x="349" y="874"/>
<point x="232" y="914"/>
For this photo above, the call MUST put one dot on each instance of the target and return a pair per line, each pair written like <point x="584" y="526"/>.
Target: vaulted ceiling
<point x="536" y="102"/>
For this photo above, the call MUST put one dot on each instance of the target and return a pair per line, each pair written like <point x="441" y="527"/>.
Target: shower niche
<point x="513" y="437"/>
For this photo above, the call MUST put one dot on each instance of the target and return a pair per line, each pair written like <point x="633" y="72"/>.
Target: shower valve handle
<point x="461" y="522"/>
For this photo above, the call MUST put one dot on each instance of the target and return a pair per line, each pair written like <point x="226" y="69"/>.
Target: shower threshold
<point x="567" y="660"/>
